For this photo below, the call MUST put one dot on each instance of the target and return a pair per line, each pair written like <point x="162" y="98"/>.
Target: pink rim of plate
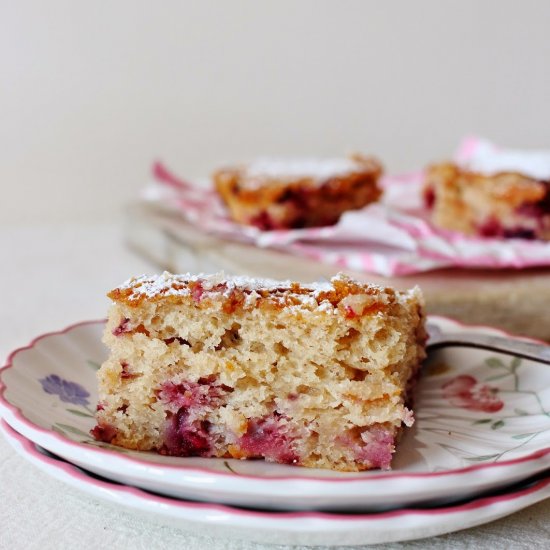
<point x="17" y="413"/>
<point x="73" y="471"/>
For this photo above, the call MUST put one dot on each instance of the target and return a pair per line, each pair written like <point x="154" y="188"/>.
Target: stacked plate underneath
<point x="479" y="450"/>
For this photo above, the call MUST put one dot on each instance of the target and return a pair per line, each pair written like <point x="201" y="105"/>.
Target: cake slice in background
<point x="496" y="193"/>
<point x="287" y="194"/>
<point x="315" y="375"/>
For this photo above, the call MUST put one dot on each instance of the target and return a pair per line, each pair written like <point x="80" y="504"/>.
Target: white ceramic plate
<point x="309" y="528"/>
<point x="482" y="422"/>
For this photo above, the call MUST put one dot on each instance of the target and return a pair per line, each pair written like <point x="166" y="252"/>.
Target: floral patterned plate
<point x="483" y="421"/>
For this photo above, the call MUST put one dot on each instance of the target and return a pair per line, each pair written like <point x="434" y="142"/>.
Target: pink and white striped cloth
<point x="393" y="237"/>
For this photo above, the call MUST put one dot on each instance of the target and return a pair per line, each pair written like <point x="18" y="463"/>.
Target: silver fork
<point x="526" y="350"/>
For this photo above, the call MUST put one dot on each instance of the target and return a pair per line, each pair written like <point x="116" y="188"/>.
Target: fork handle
<point x="526" y="350"/>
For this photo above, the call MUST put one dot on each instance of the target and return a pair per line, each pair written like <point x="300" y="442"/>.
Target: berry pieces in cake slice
<point x="213" y="366"/>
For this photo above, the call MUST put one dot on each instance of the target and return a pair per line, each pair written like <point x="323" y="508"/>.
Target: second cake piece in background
<point x="496" y="193"/>
<point x="286" y="194"/>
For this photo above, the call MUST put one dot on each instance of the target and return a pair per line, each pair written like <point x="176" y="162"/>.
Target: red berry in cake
<point x="186" y="438"/>
<point x="104" y="432"/>
<point x="122" y="328"/>
<point x="270" y="438"/>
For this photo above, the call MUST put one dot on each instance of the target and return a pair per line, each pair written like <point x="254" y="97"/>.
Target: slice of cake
<point x="497" y="193"/>
<point x="315" y="375"/>
<point x="285" y="194"/>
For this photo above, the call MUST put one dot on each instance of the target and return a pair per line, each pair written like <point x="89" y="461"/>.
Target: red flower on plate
<point x="466" y="392"/>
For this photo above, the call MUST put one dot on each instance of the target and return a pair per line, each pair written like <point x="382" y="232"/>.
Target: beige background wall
<point x="92" y="92"/>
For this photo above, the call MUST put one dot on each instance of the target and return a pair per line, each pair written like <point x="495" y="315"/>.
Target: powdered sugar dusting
<point x="326" y="306"/>
<point x="310" y="296"/>
<point x="489" y="160"/>
<point x="171" y="284"/>
<point x="408" y="418"/>
<point x="318" y="170"/>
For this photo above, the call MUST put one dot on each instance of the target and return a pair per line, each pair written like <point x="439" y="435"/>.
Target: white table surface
<point x="52" y="276"/>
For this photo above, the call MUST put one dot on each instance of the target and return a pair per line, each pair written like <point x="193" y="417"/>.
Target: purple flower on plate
<point x="68" y="392"/>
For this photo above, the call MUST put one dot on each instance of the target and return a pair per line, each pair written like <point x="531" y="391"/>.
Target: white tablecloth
<point x="53" y="276"/>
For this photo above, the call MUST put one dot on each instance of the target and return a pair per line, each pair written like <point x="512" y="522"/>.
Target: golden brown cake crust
<point x="277" y="201"/>
<point x="177" y="289"/>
